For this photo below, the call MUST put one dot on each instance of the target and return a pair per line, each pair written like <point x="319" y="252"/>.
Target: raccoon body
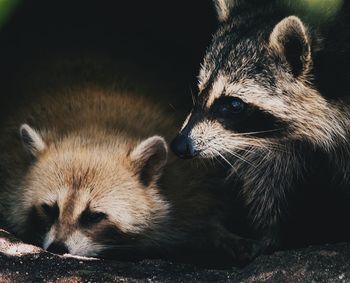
<point x="260" y="110"/>
<point x="82" y="173"/>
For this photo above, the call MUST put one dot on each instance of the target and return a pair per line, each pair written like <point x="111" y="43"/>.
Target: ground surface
<point x="24" y="263"/>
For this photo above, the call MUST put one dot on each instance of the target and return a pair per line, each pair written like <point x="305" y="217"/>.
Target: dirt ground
<point x="24" y="263"/>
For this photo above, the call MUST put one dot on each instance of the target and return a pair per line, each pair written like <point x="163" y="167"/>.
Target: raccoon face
<point x="87" y="200"/>
<point x="255" y="94"/>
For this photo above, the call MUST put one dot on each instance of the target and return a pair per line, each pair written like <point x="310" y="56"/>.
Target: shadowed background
<point x="155" y="43"/>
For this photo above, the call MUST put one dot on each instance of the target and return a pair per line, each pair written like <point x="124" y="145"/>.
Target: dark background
<point x="158" y="41"/>
<point x="49" y="43"/>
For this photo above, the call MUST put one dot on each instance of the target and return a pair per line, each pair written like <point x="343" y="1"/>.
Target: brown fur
<point x="84" y="154"/>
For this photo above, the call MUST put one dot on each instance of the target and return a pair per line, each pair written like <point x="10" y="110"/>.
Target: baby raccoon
<point x="259" y="110"/>
<point x="83" y="178"/>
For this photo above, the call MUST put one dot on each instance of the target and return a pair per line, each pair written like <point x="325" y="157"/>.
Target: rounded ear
<point x="224" y="8"/>
<point x="31" y="140"/>
<point x="149" y="158"/>
<point x="291" y="40"/>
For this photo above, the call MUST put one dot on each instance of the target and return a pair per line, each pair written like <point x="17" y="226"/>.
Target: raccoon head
<point x="87" y="199"/>
<point x="255" y="92"/>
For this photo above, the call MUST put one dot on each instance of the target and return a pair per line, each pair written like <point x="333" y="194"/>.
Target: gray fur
<point x="265" y="57"/>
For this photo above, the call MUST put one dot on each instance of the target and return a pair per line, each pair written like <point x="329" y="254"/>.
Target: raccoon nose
<point x="182" y="147"/>
<point x="58" y="248"/>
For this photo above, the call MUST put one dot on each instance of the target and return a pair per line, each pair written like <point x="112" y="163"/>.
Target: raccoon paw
<point x="268" y="244"/>
<point x="240" y="250"/>
<point x="237" y="250"/>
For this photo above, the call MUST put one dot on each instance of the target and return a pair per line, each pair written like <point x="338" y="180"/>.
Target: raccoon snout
<point x="183" y="147"/>
<point x="58" y="248"/>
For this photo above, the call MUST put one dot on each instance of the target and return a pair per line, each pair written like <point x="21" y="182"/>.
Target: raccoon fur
<point x="82" y="173"/>
<point x="260" y="110"/>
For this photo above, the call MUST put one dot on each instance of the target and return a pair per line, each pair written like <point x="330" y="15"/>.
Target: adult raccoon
<point x="79" y="175"/>
<point x="259" y="109"/>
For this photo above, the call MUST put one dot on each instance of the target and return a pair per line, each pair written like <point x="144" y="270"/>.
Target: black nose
<point x="182" y="147"/>
<point x="58" y="248"/>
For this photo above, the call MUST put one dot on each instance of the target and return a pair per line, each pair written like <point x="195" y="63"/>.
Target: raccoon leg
<point x="266" y="212"/>
<point x="267" y="193"/>
<point x="241" y="251"/>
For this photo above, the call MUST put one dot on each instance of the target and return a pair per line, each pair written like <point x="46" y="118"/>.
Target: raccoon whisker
<point x="218" y="160"/>
<point x="267" y="145"/>
<point x="237" y="156"/>
<point x="118" y="246"/>
<point x="272" y="143"/>
<point x="252" y="141"/>
<point x="172" y="106"/>
<point x="258" y="132"/>
<point x="193" y="97"/>
<point x="247" y="141"/>
<point x="253" y="153"/>
<point x="275" y="146"/>
<point x="237" y="144"/>
<point x="248" y="149"/>
<point x="214" y="158"/>
<point x="202" y="162"/>
<point x="210" y="161"/>
<point x="207" y="162"/>
<point x="241" y="158"/>
<point x="223" y="157"/>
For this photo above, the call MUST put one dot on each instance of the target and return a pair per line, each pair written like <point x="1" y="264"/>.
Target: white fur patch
<point x="217" y="90"/>
<point x="49" y="238"/>
<point x="79" y="244"/>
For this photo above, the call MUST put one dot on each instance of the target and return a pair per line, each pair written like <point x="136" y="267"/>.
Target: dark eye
<point x="228" y="106"/>
<point x="50" y="210"/>
<point x="92" y="217"/>
<point x="237" y="105"/>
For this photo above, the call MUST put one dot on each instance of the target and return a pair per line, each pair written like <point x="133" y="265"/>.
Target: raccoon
<point x="259" y="110"/>
<point x="87" y="175"/>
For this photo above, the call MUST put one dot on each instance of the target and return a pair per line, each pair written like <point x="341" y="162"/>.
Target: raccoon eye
<point x="51" y="211"/>
<point x="228" y="106"/>
<point x="90" y="217"/>
<point x="237" y="105"/>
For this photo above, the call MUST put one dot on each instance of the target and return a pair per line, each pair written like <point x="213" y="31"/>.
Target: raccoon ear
<point x="149" y="158"/>
<point x="224" y="7"/>
<point x="32" y="141"/>
<point x="290" y="39"/>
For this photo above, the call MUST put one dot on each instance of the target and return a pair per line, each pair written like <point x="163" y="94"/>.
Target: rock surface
<point x="25" y="263"/>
